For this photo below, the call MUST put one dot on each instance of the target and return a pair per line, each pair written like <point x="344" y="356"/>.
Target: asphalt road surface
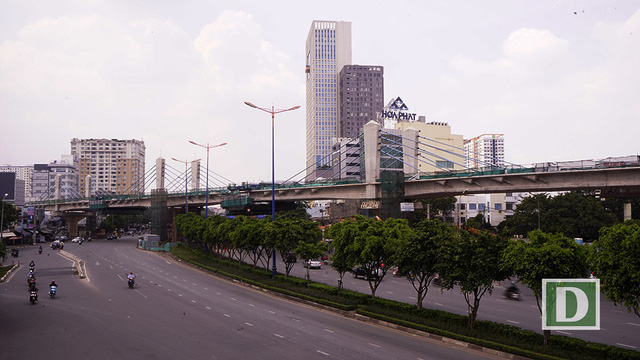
<point x="617" y="326"/>
<point x="178" y="312"/>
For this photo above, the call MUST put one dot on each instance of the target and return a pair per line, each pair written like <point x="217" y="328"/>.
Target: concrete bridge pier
<point x="627" y="211"/>
<point x="72" y="222"/>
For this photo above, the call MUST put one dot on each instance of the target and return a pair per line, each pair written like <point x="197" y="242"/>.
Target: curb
<point x="78" y="264"/>
<point x="15" y="266"/>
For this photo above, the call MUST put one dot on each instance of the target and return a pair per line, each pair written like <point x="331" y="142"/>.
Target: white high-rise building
<point x="328" y="49"/>
<point x="484" y="151"/>
<point x="115" y="166"/>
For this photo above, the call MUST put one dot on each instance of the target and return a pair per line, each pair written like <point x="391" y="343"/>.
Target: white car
<point x="313" y="264"/>
<point x="77" y="240"/>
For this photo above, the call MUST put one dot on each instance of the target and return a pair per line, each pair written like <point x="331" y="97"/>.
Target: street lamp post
<point x="206" y="206"/>
<point x="2" y="220"/>
<point x="273" y="112"/>
<point x="186" y="194"/>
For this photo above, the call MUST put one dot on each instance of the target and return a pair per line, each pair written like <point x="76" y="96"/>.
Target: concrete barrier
<point x="78" y="264"/>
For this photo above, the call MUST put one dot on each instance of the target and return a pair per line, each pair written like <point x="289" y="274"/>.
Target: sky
<point x="560" y="79"/>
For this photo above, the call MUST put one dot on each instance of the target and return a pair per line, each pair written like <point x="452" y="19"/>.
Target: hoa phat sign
<point x="397" y="110"/>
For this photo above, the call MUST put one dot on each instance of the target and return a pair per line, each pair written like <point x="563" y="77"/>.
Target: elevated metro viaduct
<point x="621" y="182"/>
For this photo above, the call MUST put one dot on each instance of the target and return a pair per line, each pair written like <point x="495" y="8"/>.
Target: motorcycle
<point x="32" y="269"/>
<point x="131" y="282"/>
<point x="52" y="291"/>
<point x="40" y="250"/>
<point x="14" y="252"/>
<point x="33" y="296"/>
<point x="512" y="293"/>
<point x="31" y="282"/>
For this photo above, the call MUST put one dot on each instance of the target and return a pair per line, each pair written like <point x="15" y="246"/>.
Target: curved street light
<point x="273" y="112"/>
<point x="206" y="208"/>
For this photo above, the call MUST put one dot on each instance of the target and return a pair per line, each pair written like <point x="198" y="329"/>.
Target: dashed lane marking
<point x="322" y="352"/>
<point x="278" y="335"/>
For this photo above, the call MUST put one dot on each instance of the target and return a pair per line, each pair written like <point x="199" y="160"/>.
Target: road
<point x="617" y="326"/>
<point x="176" y="311"/>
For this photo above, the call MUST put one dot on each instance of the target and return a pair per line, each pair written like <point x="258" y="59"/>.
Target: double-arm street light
<point x="273" y="112"/>
<point x="206" y="208"/>
<point x="186" y="193"/>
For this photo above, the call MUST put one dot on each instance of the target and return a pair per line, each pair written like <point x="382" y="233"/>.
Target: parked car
<point x="313" y="264"/>
<point x="77" y="239"/>
<point x="111" y="237"/>
<point x="360" y="272"/>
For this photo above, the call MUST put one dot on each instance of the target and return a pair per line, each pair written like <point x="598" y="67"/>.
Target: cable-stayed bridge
<point x="379" y="165"/>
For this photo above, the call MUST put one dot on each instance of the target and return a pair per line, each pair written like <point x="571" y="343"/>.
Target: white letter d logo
<point x="582" y="304"/>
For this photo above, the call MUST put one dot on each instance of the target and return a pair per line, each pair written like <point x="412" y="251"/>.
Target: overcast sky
<point x="560" y="79"/>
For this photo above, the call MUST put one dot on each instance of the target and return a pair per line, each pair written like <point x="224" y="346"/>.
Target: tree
<point x="544" y="256"/>
<point x="479" y="222"/>
<point x="374" y="247"/>
<point x="473" y="261"/>
<point x="617" y="264"/>
<point x="309" y="250"/>
<point x="343" y="235"/>
<point x="439" y="208"/>
<point x="418" y="254"/>
<point x="286" y="232"/>
<point x="572" y="214"/>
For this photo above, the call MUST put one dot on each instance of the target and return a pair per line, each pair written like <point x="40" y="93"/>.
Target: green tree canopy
<point x="544" y="256"/>
<point x="617" y="264"/>
<point x="572" y="214"/>
<point x="473" y="261"/>
<point x="419" y="254"/>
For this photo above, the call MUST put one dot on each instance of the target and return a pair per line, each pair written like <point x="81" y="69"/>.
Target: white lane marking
<point x="616" y="311"/>
<point x="234" y="299"/>
<point x="413" y="298"/>
<point x="195" y="285"/>
<point x="169" y="289"/>
<point x="251" y="305"/>
<point x="218" y="293"/>
<point x="141" y="294"/>
<point x="513" y="322"/>
<point x="120" y="277"/>
<point x="227" y="315"/>
<point x="634" y="324"/>
<point x="205" y="288"/>
<point x="625" y="345"/>
<point x="439" y="304"/>
<point x="208" y="308"/>
<point x="330" y="331"/>
<point x="180" y="295"/>
<point x="271" y="312"/>
<point x="168" y="262"/>
<point x="389" y="292"/>
<point x="323" y="353"/>
<point x="193" y="301"/>
<point x="248" y="324"/>
<point x="564" y="332"/>
<point x="111" y="267"/>
<point x="280" y="336"/>
<point x="374" y="345"/>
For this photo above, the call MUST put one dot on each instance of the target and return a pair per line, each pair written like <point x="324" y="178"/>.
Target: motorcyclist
<point x="40" y="249"/>
<point x="53" y="283"/>
<point x="130" y="276"/>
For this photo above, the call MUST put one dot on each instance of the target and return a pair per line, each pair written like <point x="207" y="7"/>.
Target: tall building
<point x="45" y="175"/>
<point x="484" y="151"/>
<point x="327" y="51"/>
<point x="24" y="173"/>
<point x="360" y="96"/>
<point x="114" y="166"/>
